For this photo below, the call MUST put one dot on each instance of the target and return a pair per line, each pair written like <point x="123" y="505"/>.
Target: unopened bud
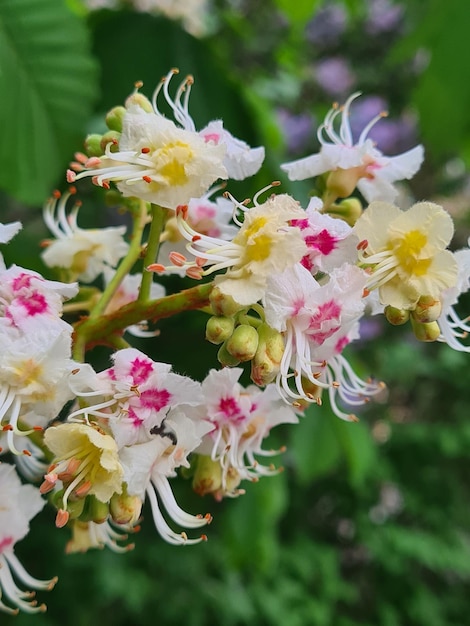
<point x="266" y="362"/>
<point x="395" y="316"/>
<point x="140" y="100"/>
<point x="114" y="118"/>
<point x="223" y="304"/>
<point x="425" y="332"/>
<point x="208" y="475"/>
<point x="219" y="328"/>
<point x="94" y="511"/>
<point x="349" y="210"/>
<point x="92" y="145"/>
<point x="111" y="137"/>
<point x="243" y="343"/>
<point x="125" y="509"/>
<point x="225" y="358"/>
<point x="427" y="310"/>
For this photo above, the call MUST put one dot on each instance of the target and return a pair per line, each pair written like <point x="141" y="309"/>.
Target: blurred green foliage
<point x="369" y="523"/>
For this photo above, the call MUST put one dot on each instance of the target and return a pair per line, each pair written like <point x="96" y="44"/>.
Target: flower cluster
<point x="286" y="288"/>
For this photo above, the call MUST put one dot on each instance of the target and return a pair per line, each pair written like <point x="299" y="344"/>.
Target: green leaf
<point x="442" y="93"/>
<point x="322" y="441"/>
<point x="314" y="445"/>
<point x="48" y="84"/>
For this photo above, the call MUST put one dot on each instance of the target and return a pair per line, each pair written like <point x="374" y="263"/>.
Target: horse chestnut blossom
<point x="143" y="405"/>
<point x="318" y="320"/>
<point x="265" y="244"/>
<point x="405" y="252"/>
<point x="354" y="163"/>
<point x="165" y="163"/>
<point x="86" y="253"/>
<point x="240" y="419"/>
<point x="19" y="504"/>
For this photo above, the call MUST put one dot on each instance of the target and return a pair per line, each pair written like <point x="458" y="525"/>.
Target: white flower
<point x="452" y="327"/>
<point x="240" y="419"/>
<point x="19" y="504"/>
<point x="318" y="321"/>
<point x="147" y="467"/>
<point x="8" y="231"/>
<point x="240" y="160"/>
<point x="264" y="246"/>
<point x="373" y="172"/>
<point x="86" y="252"/>
<point x="404" y="252"/>
<point x="28" y="301"/>
<point x="157" y="160"/>
<point x="34" y="374"/>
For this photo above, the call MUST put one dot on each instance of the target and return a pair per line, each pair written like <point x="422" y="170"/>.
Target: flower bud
<point x="94" y="511"/>
<point x="266" y="362"/>
<point x="111" y="137"/>
<point x="427" y="310"/>
<point x="395" y="316"/>
<point x="92" y="145"/>
<point x="425" y="331"/>
<point x="219" y="328"/>
<point x="349" y="210"/>
<point x="125" y="509"/>
<point x="208" y="475"/>
<point x="114" y="118"/>
<point x="140" y="100"/>
<point x="223" y="304"/>
<point x="243" y="343"/>
<point x="225" y="358"/>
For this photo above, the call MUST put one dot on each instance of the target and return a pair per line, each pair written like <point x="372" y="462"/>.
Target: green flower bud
<point x="341" y="183"/>
<point x="140" y="100"/>
<point x="425" y="331"/>
<point x="427" y="310"/>
<point x="243" y="343"/>
<point x="225" y="358"/>
<point x="208" y="475"/>
<point x="114" y="118"/>
<point x="125" y="509"/>
<point x="223" y="305"/>
<point x="93" y="145"/>
<point x="395" y="316"/>
<point x="349" y="210"/>
<point x="219" y="328"/>
<point x="94" y="511"/>
<point x="111" y="137"/>
<point x="266" y="362"/>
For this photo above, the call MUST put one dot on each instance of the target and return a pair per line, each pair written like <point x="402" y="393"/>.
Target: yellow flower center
<point x="171" y="160"/>
<point x="407" y="249"/>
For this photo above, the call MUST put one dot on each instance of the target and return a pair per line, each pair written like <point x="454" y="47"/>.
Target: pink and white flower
<point x="373" y="172"/>
<point x="318" y="320"/>
<point x="329" y="241"/>
<point x="240" y="419"/>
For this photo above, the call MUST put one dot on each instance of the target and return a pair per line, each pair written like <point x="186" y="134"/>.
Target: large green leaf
<point x="47" y="86"/>
<point x="442" y="92"/>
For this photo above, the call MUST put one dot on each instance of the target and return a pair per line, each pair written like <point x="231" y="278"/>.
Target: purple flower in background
<point x="334" y="76"/>
<point x="327" y="25"/>
<point x="297" y="129"/>
<point x="391" y="136"/>
<point x="383" y="16"/>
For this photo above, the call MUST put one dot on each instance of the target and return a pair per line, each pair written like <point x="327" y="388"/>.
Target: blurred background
<point x="369" y="522"/>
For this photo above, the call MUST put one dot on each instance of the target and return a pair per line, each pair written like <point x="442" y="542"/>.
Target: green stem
<point x="104" y="329"/>
<point x="153" y="243"/>
<point x="127" y="263"/>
